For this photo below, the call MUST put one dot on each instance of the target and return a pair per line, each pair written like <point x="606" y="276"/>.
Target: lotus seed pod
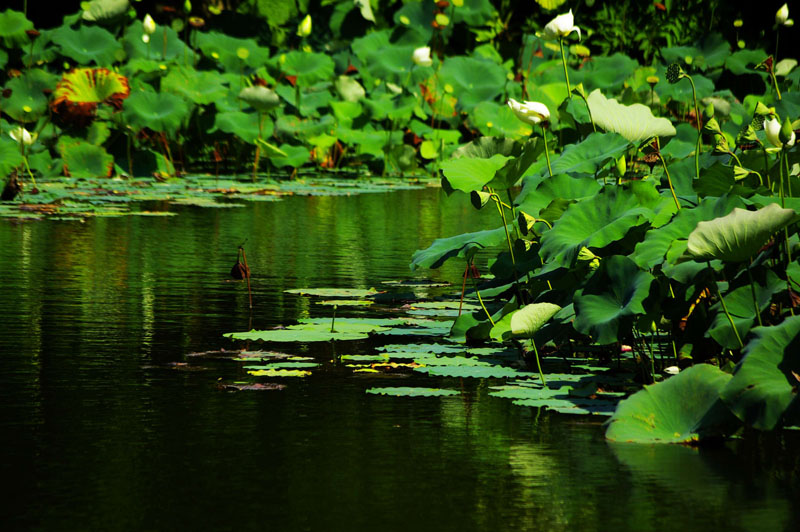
<point x="674" y="73"/>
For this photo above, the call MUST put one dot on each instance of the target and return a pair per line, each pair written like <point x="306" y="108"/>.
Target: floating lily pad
<point x="408" y="391"/>
<point x="365" y="358"/>
<point x="477" y="372"/>
<point x="346" y="302"/>
<point x="250" y="386"/>
<point x="279" y="373"/>
<point x="333" y="292"/>
<point x="283" y="365"/>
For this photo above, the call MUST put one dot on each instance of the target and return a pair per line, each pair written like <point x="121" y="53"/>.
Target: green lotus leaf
<point x="468" y="174"/>
<point x="612" y="297"/>
<point x="105" y="11"/>
<point x="634" y="122"/>
<point x="407" y="391"/>
<point x="260" y="98"/>
<point x="296" y="156"/>
<point x="88" y="44"/>
<point x="711" y="52"/>
<point x="599" y="221"/>
<point x="226" y="51"/>
<point x="155" y="50"/>
<point x="28" y="101"/>
<point x="270" y="150"/>
<point x="13" y="26"/>
<point x="414" y="350"/>
<point x="368" y="141"/>
<point x="284" y="365"/>
<point x="653" y="249"/>
<point x="739" y="302"/>
<point x="493" y="119"/>
<point x="744" y="61"/>
<point x="279" y="373"/>
<point x="537" y="194"/>
<point x="591" y="154"/>
<point x="3" y="58"/>
<point x="685" y="408"/>
<point x="606" y="72"/>
<point x="198" y="86"/>
<point x="530" y="318"/>
<point x="416" y="18"/>
<point x="333" y="292"/>
<point x="475" y="372"/>
<point x="82" y="159"/>
<point x="682" y="91"/>
<point x="550" y="4"/>
<point x="312" y="99"/>
<point x="346" y="112"/>
<point x="474" y="13"/>
<point x="159" y="111"/>
<point x="10" y="156"/>
<point x="530" y="392"/>
<point x="381" y="59"/>
<point x="304" y="128"/>
<point x="462" y="246"/>
<point x="243" y="125"/>
<point x="737" y="236"/>
<point x="309" y="67"/>
<point x="319" y="331"/>
<point x="349" y="89"/>
<point x="473" y="80"/>
<point x="764" y="383"/>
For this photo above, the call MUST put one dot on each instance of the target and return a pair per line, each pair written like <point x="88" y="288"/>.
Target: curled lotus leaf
<point x="737" y="236"/>
<point x="81" y="90"/>
<point x="105" y="11"/>
<point x="260" y="98"/>
<point x="530" y="318"/>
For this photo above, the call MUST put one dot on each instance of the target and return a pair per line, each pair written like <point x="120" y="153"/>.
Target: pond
<point x="107" y="424"/>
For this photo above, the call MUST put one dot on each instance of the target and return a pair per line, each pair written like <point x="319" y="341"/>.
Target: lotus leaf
<point x="105" y="11"/>
<point x="81" y="90"/>
<point x="744" y="61"/>
<point x="309" y="67"/>
<point x="614" y="294"/>
<point x="463" y="246"/>
<point x="477" y="372"/>
<point x="415" y="349"/>
<point x="159" y="111"/>
<point x="591" y="154"/>
<point x="634" y="122"/>
<point x="416" y="18"/>
<point x="711" y="52"/>
<point x="493" y="119"/>
<point x="685" y="408"/>
<point x="737" y="236"/>
<point x="13" y="26"/>
<point x="284" y="365"/>
<point x="333" y="292"/>
<point x="10" y="156"/>
<point x="607" y="72"/>
<point x="349" y="89"/>
<point x="467" y="174"/>
<point x="530" y="318"/>
<point x="28" y="101"/>
<point x="406" y="391"/>
<point x="454" y="361"/>
<point x="528" y="392"/>
<point x="225" y="50"/>
<point x="243" y="125"/>
<point x="88" y="44"/>
<point x="82" y="159"/>
<point x="279" y="373"/>
<point x="473" y="80"/>
<point x="764" y="384"/>
<point x="538" y="194"/>
<point x="381" y="59"/>
<point x="296" y="156"/>
<point x="199" y="86"/>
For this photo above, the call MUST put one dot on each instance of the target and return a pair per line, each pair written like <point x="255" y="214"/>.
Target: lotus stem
<point x="333" y="319"/>
<point x="538" y="363"/>
<point x="258" y="145"/>
<point x="669" y="180"/>
<point x="775" y="83"/>
<point x="698" y="146"/>
<point x="725" y="309"/>
<point x="738" y="162"/>
<point x="480" y="300"/>
<point x="546" y="152"/>
<point x="753" y="294"/>
<point x="564" y="62"/>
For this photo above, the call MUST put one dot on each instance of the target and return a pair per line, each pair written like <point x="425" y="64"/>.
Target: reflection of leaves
<point x="407" y="391"/>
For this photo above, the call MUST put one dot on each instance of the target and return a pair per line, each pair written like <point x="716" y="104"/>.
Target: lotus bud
<point x="772" y="128"/>
<point x="422" y="56"/>
<point x="652" y="81"/>
<point x="304" y="28"/>
<point x="621" y="166"/>
<point x="23" y="136"/>
<point x="187" y="6"/>
<point x="782" y="16"/>
<point x="560" y="27"/>
<point x="530" y="112"/>
<point x="149" y="25"/>
<point x="674" y="73"/>
<point x="708" y="112"/>
<point x="786" y="135"/>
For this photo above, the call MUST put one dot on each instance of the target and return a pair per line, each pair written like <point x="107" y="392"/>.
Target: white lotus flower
<point x="560" y="27"/>
<point x="530" y="112"/>
<point x="304" y="28"/>
<point x="772" y="128"/>
<point x="148" y="28"/>
<point x="422" y="56"/>
<point x="782" y="16"/>
<point x="20" y="134"/>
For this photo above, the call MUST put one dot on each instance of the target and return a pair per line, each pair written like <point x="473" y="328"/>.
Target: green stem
<point x="753" y="294"/>
<point x="564" y="62"/>
<point x="480" y="300"/>
<point x="766" y="166"/>
<point x="669" y="180"/>
<point x="738" y="162"/>
<point x="725" y="309"/>
<point x="546" y="151"/>
<point x="538" y="363"/>
<point x="699" y="134"/>
<point x="775" y="83"/>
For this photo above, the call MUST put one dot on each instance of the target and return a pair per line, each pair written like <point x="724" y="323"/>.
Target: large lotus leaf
<point x="739" y="302"/>
<point x="530" y="318"/>
<point x="614" y="294"/>
<point x="198" y="86"/>
<point x="711" y="52"/>
<point x="232" y="53"/>
<point x="316" y="331"/>
<point x="3" y="58"/>
<point x="88" y="44"/>
<point x="105" y="11"/>
<point x="260" y="98"/>
<point x="159" y="111"/>
<point x="475" y="372"/>
<point x="744" y="61"/>
<point x="309" y="67"/>
<point x="243" y="125"/>
<point x="474" y="12"/>
<point x="27" y="101"/>
<point x="381" y="59"/>
<point x="765" y="382"/>
<point x="653" y="249"/>
<point x="538" y="194"/>
<point x="296" y="156"/>
<point x="82" y="159"/>
<point x="634" y="122"/>
<point x="685" y="408"/>
<point x="551" y="95"/>
<point x="462" y="246"/>
<point x="91" y="85"/>
<point x="13" y="26"/>
<point x="524" y="156"/>
<point x="10" y="156"/>
<point x="682" y="91"/>
<point x="494" y="119"/>
<point x="346" y="112"/>
<point x="737" y="236"/>
<point x="416" y="18"/>
<point x="468" y="174"/>
<point x="607" y="72"/>
<point x="408" y="391"/>
<point x="591" y="154"/>
<point x="349" y="89"/>
<point x="312" y="99"/>
<point x="472" y="80"/>
<point x="682" y="144"/>
<point x="156" y="50"/>
<point x="598" y="221"/>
